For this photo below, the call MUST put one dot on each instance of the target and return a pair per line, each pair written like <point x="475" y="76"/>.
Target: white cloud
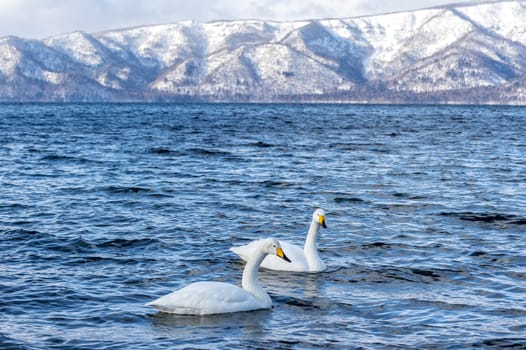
<point x="42" y="18"/>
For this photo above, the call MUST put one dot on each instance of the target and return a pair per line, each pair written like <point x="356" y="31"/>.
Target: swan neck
<point x="250" y="281"/>
<point x="310" y="248"/>
<point x="312" y="237"/>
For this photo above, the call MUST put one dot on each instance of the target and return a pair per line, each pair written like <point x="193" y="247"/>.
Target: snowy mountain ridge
<point x="461" y="53"/>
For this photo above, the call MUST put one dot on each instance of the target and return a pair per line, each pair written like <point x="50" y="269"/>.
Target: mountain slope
<point x="465" y="53"/>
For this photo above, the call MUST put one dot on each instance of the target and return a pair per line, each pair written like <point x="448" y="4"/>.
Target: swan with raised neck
<point x="203" y="298"/>
<point x="303" y="259"/>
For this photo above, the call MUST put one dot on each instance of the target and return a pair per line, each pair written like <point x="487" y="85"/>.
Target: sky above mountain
<point x="42" y="18"/>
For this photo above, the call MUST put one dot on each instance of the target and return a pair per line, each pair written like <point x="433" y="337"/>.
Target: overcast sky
<point x="42" y="18"/>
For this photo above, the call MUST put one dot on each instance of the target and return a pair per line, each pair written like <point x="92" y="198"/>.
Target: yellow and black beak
<point x="322" y="221"/>
<point x="281" y="254"/>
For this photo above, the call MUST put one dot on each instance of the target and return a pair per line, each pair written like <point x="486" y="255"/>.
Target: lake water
<point x="106" y="207"/>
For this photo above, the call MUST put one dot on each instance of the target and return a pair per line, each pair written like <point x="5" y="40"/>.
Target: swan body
<point x="303" y="259"/>
<point x="204" y="298"/>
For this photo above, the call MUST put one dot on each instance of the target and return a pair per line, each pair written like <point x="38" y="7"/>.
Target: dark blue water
<point x="106" y="207"/>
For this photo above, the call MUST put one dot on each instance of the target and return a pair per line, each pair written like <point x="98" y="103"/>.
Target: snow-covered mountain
<point x="463" y="53"/>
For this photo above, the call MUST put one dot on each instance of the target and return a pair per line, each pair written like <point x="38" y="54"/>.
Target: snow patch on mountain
<point x="471" y="52"/>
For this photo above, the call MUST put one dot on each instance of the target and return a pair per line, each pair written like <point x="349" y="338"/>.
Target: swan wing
<point x="204" y="298"/>
<point x="294" y="253"/>
<point x="247" y="250"/>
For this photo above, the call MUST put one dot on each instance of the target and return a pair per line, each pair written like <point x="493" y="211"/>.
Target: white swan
<point x="304" y="259"/>
<point x="204" y="298"/>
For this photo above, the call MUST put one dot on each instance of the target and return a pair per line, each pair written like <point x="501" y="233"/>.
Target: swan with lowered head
<point x="204" y="298"/>
<point x="304" y="259"/>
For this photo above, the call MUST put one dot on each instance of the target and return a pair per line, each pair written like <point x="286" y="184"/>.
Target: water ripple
<point x="105" y="207"/>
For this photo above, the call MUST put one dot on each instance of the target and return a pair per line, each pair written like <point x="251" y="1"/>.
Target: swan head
<point x="319" y="217"/>
<point x="272" y="246"/>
